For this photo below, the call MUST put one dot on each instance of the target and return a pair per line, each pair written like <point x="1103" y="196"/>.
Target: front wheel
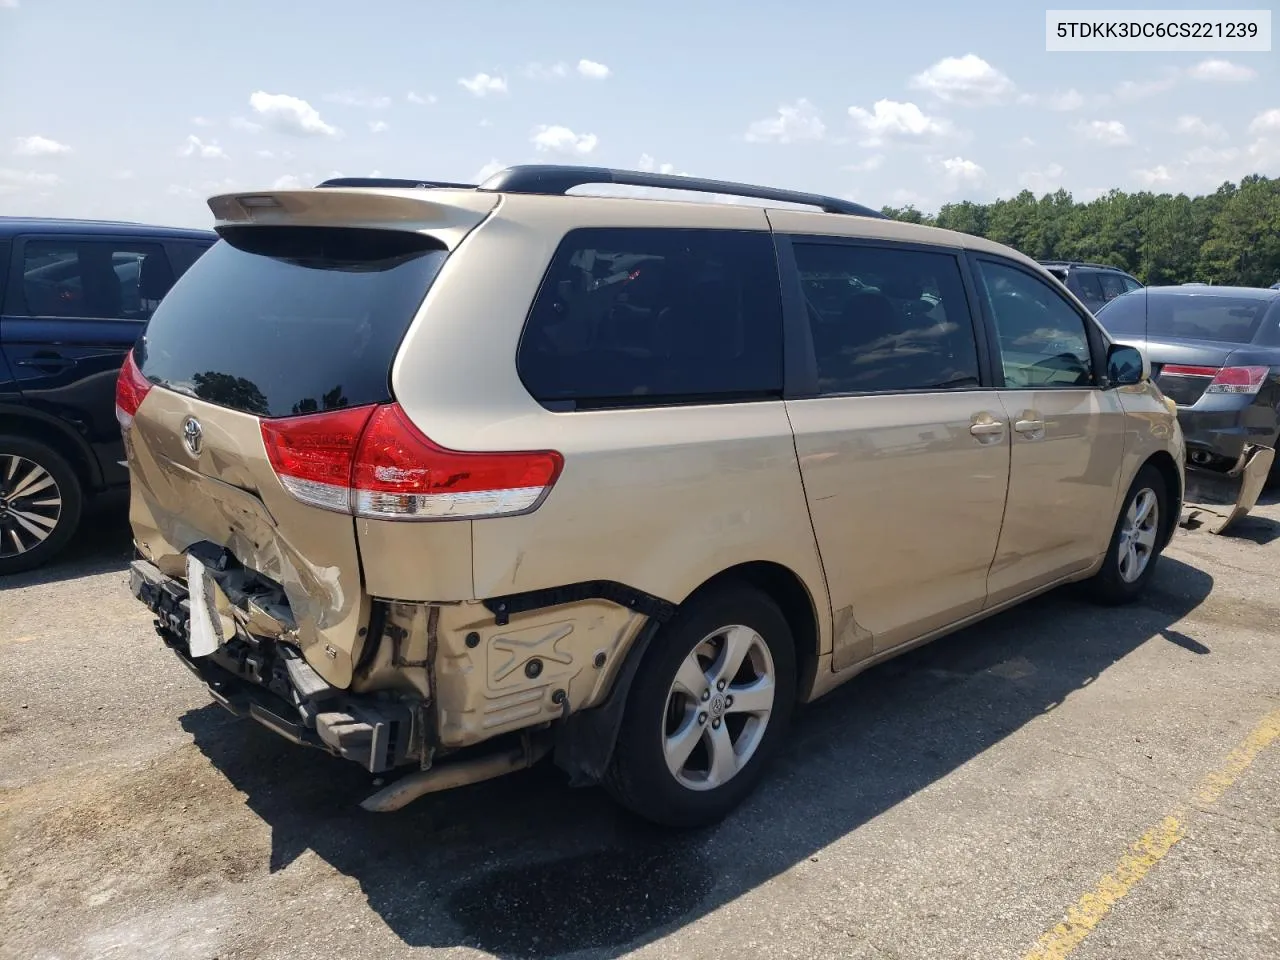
<point x="40" y="503"/>
<point x="708" y="708"/>
<point x="1135" y="542"/>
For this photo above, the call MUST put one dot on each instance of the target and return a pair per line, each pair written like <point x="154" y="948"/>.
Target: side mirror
<point x="1127" y="365"/>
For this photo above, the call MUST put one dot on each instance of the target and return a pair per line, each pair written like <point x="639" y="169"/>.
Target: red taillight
<point x="373" y="462"/>
<point x="131" y="388"/>
<point x="313" y="455"/>
<point x="1247" y="379"/>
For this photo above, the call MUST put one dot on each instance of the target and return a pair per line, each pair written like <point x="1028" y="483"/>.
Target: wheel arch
<point x="1162" y="461"/>
<point x="41" y="428"/>
<point x="584" y="743"/>
<point x="785" y="588"/>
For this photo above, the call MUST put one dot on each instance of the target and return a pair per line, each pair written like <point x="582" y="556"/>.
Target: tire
<point x="659" y="707"/>
<point x="1114" y="584"/>
<point x="59" y="499"/>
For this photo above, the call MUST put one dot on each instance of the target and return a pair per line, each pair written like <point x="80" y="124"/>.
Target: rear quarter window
<point x="641" y="317"/>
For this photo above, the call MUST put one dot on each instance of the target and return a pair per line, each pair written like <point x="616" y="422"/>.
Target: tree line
<point x="1229" y="237"/>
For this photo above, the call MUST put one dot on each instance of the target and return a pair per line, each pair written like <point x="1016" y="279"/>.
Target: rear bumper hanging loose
<point x="268" y="681"/>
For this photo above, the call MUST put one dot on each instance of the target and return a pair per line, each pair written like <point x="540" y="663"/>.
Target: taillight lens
<point x="373" y="462"/>
<point x="313" y="455"/>
<point x="1246" y="379"/>
<point x="131" y="389"/>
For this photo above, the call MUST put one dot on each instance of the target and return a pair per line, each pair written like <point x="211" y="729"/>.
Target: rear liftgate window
<point x="642" y="317"/>
<point x="277" y="321"/>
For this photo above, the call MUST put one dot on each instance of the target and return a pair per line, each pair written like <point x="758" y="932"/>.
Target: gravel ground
<point x="955" y="802"/>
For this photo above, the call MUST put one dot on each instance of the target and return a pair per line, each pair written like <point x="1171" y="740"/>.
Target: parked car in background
<point x="74" y="296"/>
<point x="686" y="464"/>
<point x="1215" y="351"/>
<point x="1093" y="283"/>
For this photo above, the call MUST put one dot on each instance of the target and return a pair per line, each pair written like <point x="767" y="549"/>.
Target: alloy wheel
<point x="718" y="707"/>
<point x="1138" y="534"/>
<point x="30" y="505"/>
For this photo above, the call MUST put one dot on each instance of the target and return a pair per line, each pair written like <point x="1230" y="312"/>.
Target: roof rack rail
<point x="1082" y="263"/>
<point x="557" y="180"/>
<point x="389" y="182"/>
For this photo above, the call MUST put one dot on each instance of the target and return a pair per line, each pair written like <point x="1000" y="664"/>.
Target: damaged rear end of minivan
<point x="274" y="476"/>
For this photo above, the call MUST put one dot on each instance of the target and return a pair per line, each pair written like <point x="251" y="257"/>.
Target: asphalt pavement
<point x="1061" y="780"/>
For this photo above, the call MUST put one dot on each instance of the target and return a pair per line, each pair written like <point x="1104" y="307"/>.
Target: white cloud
<point x="542" y="71"/>
<point x="419" y="98"/>
<point x="958" y="171"/>
<point x="122" y="175"/>
<point x="891" y="120"/>
<point x="379" y="126"/>
<point x="967" y="80"/>
<point x="794" y="122"/>
<point x="349" y="99"/>
<point x="481" y="85"/>
<point x="195" y="147"/>
<point x="1042" y="181"/>
<point x="903" y="197"/>
<point x="1222" y="71"/>
<point x="16" y="181"/>
<point x="1208" y="156"/>
<point x="38" y="146"/>
<point x="1196" y="127"/>
<point x="558" y="139"/>
<point x="290" y="115"/>
<point x="647" y="164"/>
<point x="265" y="154"/>
<point x="1026" y="142"/>
<point x="1154" y="177"/>
<point x="1141" y="89"/>
<point x="1109" y="133"/>
<point x="248" y="126"/>
<point x="486" y="123"/>
<point x="1070" y="100"/>
<point x="1266" y="122"/>
<point x="873" y="162"/>
<point x="9" y="4"/>
<point x="592" y="70"/>
<point x="488" y="170"/>
<point x="201" y="122"/>
<point x="288" y="182"/>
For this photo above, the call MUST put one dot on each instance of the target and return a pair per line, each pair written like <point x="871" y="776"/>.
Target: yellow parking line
<point x="1087" y="912"/>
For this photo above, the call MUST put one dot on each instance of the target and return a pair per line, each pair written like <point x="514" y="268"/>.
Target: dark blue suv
<point x="74" y="297"/>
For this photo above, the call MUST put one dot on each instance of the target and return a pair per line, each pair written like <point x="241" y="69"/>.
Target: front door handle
<point x="986" y="428"/>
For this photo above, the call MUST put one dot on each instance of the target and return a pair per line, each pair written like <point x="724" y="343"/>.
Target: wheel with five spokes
<point x="707" y="710"/>
<point x="40" y="503"/>
<point x="1136" y="541"/>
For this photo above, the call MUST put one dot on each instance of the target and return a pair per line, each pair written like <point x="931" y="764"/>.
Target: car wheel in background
<point x="40" y="503"/>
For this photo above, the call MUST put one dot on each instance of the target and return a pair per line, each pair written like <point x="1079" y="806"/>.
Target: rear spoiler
<point x="446" y="214"/>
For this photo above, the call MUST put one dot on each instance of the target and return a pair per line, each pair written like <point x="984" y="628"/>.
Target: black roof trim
<point x="558" y="180"/>
<point x="391" y="183"/>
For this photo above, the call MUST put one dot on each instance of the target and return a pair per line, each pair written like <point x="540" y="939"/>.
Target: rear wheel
<point x="40" y="503"/>
<point x="1135" y="542"/>
<point x="707" y="710"/>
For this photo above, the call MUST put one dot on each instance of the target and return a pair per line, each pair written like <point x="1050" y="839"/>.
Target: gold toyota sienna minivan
<point x="444" y="479"/>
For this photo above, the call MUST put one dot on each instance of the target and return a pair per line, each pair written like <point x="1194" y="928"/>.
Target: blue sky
<point x="140" y="109"/>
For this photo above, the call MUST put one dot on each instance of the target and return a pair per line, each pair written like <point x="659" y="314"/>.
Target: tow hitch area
<point x="1218" y="498"/>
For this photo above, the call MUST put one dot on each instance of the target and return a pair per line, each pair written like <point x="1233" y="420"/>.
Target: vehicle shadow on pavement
<point x="103" y="544"/>
<point x="525" y="867"/>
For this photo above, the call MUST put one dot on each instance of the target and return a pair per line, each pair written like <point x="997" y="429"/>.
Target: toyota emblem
<point x="192" y="436"/>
